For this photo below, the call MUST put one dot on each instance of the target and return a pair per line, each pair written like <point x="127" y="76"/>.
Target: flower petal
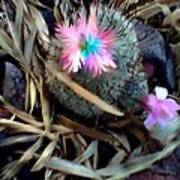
<point x="161" y="92"/>
<point x="150" y="121"/>
<point x="68" y="35"/>
<point x="81" y="25"/>
<point x="165" y="120"/>
<point x="71" y="62"/>
<point x="92" y="64"/>
<point x="161" y="111"/>
<point x="172" y="105"/>
<point x="97" y="64"/>
<point x="92" y="22"/>
<point x="149" y="102"/>
<point x="108" y="39"/>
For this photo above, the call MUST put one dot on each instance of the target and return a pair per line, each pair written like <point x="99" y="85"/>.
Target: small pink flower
<point x="87" y="46"/>
<point x="160" y="108"/>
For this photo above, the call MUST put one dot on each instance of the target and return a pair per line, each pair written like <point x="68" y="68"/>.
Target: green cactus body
<point x="121" y="87"/>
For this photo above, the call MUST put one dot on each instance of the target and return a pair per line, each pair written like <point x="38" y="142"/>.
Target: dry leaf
<point x="29" y="153"/>
<point x="45" y="156"/>
<point x="79" y="90"/>
<point x="44" y="106"/>
<point x="173" y="19"/>
<point x="17" y="139"/>
<point x="33" y="95"/>
<point x="71" y="168"/>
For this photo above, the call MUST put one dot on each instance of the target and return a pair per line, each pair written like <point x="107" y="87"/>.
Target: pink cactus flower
<point x="160" y="108"/>
<point x="86" y="46"/>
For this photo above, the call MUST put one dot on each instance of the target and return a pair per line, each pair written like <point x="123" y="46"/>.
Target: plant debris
<point x="60" y="125"/>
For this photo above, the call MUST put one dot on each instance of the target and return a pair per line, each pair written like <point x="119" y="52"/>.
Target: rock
<point x="156" y="52"/>
<point x="14" y="85"/>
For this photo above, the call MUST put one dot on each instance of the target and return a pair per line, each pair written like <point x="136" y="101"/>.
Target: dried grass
<point x="20" y="42"/>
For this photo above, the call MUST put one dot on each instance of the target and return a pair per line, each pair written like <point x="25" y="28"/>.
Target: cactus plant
<point x="121" y="87"/>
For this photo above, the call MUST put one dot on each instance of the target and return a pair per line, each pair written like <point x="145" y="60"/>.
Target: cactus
<point x="121" y="87"/>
